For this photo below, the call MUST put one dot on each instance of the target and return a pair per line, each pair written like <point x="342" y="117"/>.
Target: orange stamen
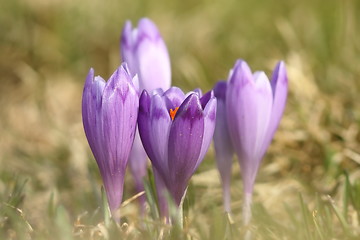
<point x="173" y="113"/>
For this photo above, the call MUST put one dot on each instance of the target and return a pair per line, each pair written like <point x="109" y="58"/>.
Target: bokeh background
<point x="49" y="181"/>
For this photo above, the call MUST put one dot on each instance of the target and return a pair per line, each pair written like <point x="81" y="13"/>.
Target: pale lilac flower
<point x="144" y="50"/>
<point x="109" y="111"/>
<point x="176" y="131"/>
<point x="146" y="54"/>
<point x="254" y="107"/>
<point x="223" y="147"/>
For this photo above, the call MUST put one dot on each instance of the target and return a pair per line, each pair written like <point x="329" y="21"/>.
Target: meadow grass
<point x="308" y="186"/>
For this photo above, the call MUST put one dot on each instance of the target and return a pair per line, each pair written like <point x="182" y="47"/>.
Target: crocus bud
<point x="176" y="131"/>
<point x="146" y="54"/>
<point x="254" y="107"/>
<point x="109" y="111"/>
<point x="222" y="143"/>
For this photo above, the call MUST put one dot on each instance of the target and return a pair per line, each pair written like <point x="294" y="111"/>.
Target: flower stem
<point x="226" y="196"/>
<point x="247" y="214"/>
<point x="181" y="211"/>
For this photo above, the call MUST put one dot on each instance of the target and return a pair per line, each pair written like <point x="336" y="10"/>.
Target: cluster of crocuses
<point x="136" y="114"/>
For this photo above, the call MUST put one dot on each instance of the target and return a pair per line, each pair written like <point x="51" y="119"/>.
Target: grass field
<point x="308" y="186"/>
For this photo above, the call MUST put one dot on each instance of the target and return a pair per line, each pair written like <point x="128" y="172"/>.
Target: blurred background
<point x="48" y="47"/>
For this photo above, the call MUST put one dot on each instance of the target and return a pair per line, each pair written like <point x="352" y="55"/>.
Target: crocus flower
<point x="254" y="107"/>
<point x="222" y="143"/>
<point x="144" y="50"/>
<point x="176" y="131"/>
<point x="109" y="111"/>
<point x="146" y="54"/>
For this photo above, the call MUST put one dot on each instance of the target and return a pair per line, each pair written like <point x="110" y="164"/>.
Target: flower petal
<point x="91" y="107"/>
<point x="222" y="142"/>
<point x="185" y="141"/>
<point x="205" y="98"/>
<point x="160" y="123"/>
<point x="198" y="91"/>
<point x="209" y="124"/>
<point x="126" y="45"/>
<point x="158" y="91"/>
<point x="144" y="123"/>
<point x="173" y="97"/>
<point x="279" y="85"/>
<point x="239" y="77"/>
<point x="152" y="57"/>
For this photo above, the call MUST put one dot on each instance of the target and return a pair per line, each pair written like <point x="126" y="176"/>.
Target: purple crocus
<point x="146" y="54"/>
<point x="144" y="50"/>
<point x="223" y="147"/>
<point x="254" y="107"/>
<point x="176" y="131"/>
<point x="109" y="111"/>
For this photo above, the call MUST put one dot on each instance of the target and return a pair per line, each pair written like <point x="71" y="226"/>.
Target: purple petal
<point x="222" y="142"/>
<point x="136" y="83"/>
<point x="240" y="75"/>
<point x="144" y="123"/>
<point x="127" y="36"/>
<point x="158" y="91"/>
<point x="198" y="91"/>
<point x="91" y="107"/>
<point x="154" y="124"/>
<point x="185" y="141"/>
<point x="220" y="90"/>
<point x="152" y="57"/>
<point x="127" y="45"/>
<point x="147" y="29"/>
<point x="173" y="97"/>
<point x="205" y="98"/>
<point x="160" y="123"/>
<point x="279" y="85"/>
<point x="209" y="124"/>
